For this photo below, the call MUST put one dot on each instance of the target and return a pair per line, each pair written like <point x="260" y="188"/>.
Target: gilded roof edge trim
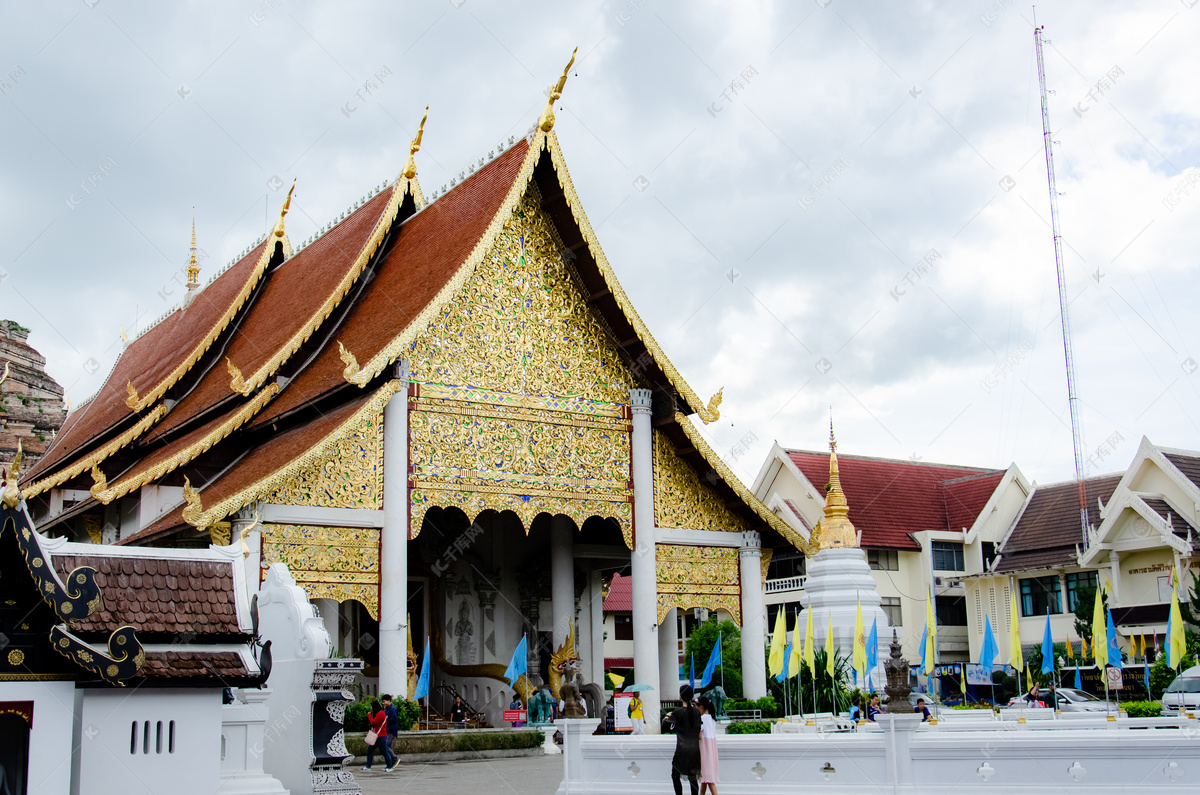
<point x="219" y="327"/>
<point x="202" y="445"/>
<point x="86" y="463"/>
<point x="610" y="279"/>
<point x="404" y="340"/>
<point x="318" y="452"/>
<point x="382" y="225"/>
<point x="735" y="483"/>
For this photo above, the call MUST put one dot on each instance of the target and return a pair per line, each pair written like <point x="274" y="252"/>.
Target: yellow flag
<point x="1099" y="632"/>
<point x="1083" y="651"/>
<point x="830" y="650"/>
<point x="1143" y="647"/>
<point x="778" y="644"/>
<point x="1070" y="653"/>
<point x="963" y="680"/>
<point x="617" y="679"/>
<point x="809" y="651"/>
<point x="860" y="646"/>
<point x="1015" y="658"/>
<point x="930" y="635"/>
<point x="797" y="651"/>
<point x="1178" y="638"/>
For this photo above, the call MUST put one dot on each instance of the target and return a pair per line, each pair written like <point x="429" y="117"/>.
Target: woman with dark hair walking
<point x="684" y="723"/>
<point x="709" y="777"/>
<point x="377" y="738"/>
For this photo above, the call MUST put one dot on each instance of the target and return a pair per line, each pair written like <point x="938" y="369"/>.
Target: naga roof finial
<point x="279" y="231"/>
<point x="410" y="165"/>
<point x="546" y="122"/>
<point x="193" y="269"/>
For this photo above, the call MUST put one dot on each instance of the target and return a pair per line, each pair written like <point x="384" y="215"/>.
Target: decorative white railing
<point x="784" y="584"/>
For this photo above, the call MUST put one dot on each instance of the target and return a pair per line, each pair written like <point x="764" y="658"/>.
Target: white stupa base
<point x="837" y="581"/>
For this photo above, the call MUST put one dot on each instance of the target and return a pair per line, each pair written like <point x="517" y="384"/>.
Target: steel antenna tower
<point x="1072" y="395"/>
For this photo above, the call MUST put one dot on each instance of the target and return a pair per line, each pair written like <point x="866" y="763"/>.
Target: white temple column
<point x="596" y="606"/>
<point x="242" y="520"/>
<point x="668" y="655"/>
<point x="642" y="563"/>
<point x="562" y="577"/>
<point x="393" y="563"/>
<point x="754" y="656"/>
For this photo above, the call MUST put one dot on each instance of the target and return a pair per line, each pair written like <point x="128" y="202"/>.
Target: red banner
<point x="513" y="715"/>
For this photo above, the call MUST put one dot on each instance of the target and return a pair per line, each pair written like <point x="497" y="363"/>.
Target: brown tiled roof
<point x="146" y="362"/>
<point x="430" y="248"/>
<point x="275" y="453"/>
<point x="1189" y="465"/>
<point x="1049" y="526"/>
<point x="157" y="596"/>
<point x="965" y="498"/>
<point x="294" y="292"/>
<point x="226" y="665"/>
<point x="1164" y="509"/>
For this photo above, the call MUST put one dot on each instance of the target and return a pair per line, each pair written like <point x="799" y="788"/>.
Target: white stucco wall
<point x="107" y="718"/>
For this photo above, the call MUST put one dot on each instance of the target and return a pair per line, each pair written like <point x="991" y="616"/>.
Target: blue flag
<point x="714" y="660"/>
<point x="1166" y="641"/>
<point x="872" y="649"/>
<point x="787" y="663"/>
<point x="924" y="635"/>
<point x="1047" y="649"/>
<point x="1078" y="678"/>
<point x="987" y="654"/>
<point x="519" y="664"/>
<point x="692" y="672"/>
<point x="1146" y="678"/>
<point x="1114" y="651"/>
<point x="423" y="681"/>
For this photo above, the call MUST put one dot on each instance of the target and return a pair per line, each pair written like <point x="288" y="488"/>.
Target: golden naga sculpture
<point x="237" y="383"/>
<point x="12" y="494"/>
<point x="559" y="660"/>
<point x="410" y="663"/>
<point x="353" y="373"/>
<point x="712" y="412"/>
<point x="546" y="122"/>
<point x="279" y="230"/>
<point x="5" y="376"/>
<point x="193" y="512"/>
<point x="246" y="531"/>
<point x="410" y="165"/>
<point x="99" y="483"/>
<point x="133" y="401"/>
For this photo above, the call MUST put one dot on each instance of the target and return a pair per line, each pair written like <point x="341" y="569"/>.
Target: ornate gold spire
<point x="711" y="412"/>
<point x="193" y="269"/>
<point x="410" y="165"/>
<point x="837" y="531"/>
<point x="279" y="231"/>
<point x="546" y="122"/>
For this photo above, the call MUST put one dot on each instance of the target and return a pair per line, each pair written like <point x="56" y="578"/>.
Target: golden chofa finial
<point x="287" y="205"/>
<point x="838" y="530"/>
<point x="546" y="122"/>
<point x="410" y="165"/>
<point x="193" y="269"/>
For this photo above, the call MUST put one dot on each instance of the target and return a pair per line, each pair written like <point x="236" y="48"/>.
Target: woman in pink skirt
<point x="709" y="777"/>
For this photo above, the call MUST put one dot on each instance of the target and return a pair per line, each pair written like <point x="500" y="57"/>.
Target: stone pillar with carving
<point x="393" y="563"/>
<point x="754" y="660"/>
<point x="329" y="754"/>
<point x="642" y="562"/>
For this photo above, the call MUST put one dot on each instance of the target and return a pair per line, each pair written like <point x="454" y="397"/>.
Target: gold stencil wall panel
<point x="521" y="396"/>
<point x="328" y="562"/>
<point x="521" y="325"/>
<point x="351" y="478"/>
<point x="698" y="577"/>
<point x="682" y="499"/>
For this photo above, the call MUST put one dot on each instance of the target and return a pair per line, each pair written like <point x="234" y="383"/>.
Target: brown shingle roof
<point x="147" y="361"/>
<point x="1189" y="465"/>
<point x="225" y="665"/>
<point x="1047" y="532"/>
<point x="158" y="596"/>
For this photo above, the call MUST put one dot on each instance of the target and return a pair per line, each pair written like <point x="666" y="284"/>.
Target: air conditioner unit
<point x="937" y="582"/>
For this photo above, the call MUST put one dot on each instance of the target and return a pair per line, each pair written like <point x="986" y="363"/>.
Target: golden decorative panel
<point x="351" y="476"/>
<point x="682" y="499"/>
<point x="698" y="577"/>
<point x="521" y="324"/>
<point x="328" y="562"/>
<point x="481" y="450"/>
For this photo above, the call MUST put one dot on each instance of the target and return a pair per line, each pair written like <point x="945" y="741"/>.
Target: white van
<point x="1183" y="693"/>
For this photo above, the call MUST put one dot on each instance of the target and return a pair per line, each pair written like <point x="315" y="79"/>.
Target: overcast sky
<point x="767" y="179"/>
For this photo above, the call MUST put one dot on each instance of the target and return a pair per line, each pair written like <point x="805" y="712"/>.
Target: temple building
<point x="446" y="417"/>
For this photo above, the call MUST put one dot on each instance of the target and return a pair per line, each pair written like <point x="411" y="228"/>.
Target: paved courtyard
<point x="536" y="775"/>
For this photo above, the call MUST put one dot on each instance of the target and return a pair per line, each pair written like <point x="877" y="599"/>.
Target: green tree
<point x="1085" y="607"/>
<point x="1189" y="607"/>
<point x="700" y="645"/>
<point x="831" y="692"/>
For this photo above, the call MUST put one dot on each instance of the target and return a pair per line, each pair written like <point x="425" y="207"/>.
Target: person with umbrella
<point x="637" y="714"/>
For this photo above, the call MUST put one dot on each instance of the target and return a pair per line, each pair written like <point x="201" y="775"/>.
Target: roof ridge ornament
<point x="546" y="122"/>
<point x="410" y="165"/>
<point x="279" y="230"/>
<point x="12" y="494"/>
<point x="237" y="382"/>
<point x="133" y="401"/>
<point x="193" y="513"/>
<point x="712" y="412"/>
<point x="99" y="482"/>
<point x="193" y="269"/>
<point x="353" y="374"/>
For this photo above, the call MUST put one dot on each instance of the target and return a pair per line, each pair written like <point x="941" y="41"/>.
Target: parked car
<point x="1183" y="693"/>
<point x="1071" y="700"/>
